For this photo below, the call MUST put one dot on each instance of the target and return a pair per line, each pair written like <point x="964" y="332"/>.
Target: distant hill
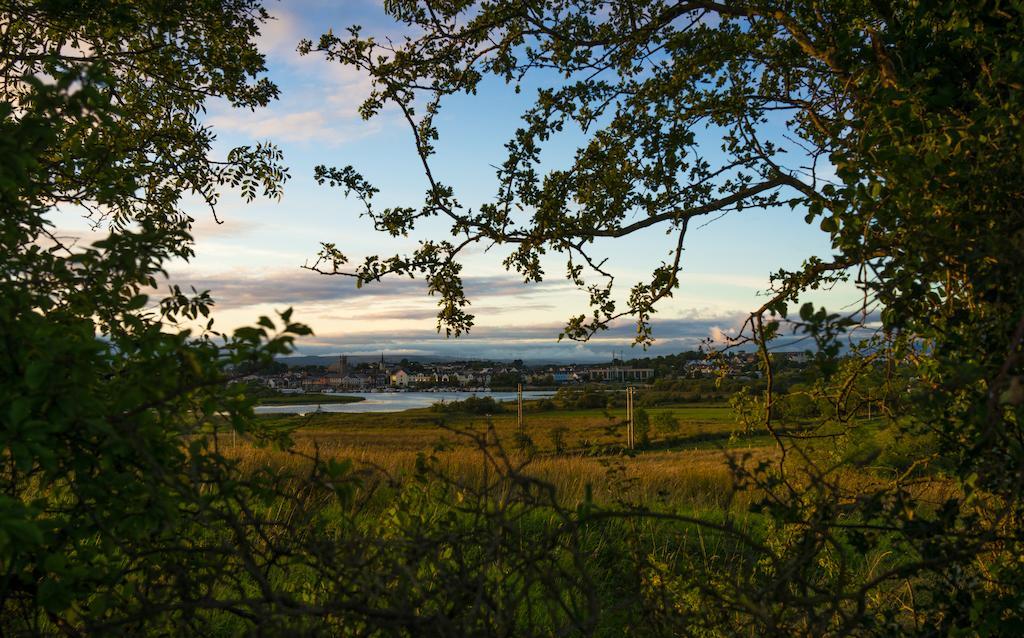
<point x="356" y="359"/>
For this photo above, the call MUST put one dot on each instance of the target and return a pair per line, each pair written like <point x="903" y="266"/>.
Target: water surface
<point x="394" y="401"/>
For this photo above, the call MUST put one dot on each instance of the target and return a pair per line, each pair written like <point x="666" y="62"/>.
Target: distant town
<point x="397" y="374"/>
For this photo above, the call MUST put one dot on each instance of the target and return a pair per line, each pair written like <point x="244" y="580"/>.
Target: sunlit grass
<point x="688" y="466"/>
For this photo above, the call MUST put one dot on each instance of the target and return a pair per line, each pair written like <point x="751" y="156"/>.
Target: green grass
<point x="700" y="426"/>
<point x="689" y="462"/>
<point x="682" y="472"/>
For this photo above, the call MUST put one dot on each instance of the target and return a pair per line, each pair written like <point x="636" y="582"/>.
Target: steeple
<point x="382" y="361"/>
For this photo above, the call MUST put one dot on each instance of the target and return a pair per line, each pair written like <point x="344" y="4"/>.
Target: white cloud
<point x="301" y="126"/>
<point x="205" y="227"/>
<point x="280" y="35"/>
<point x="537" y="341"/>
<point x="319" y="99"/>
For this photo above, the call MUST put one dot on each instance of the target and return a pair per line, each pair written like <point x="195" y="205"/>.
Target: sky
<point x="252" y="262"/>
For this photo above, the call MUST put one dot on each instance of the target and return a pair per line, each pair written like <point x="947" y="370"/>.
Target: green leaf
<point x="136" y="302"/>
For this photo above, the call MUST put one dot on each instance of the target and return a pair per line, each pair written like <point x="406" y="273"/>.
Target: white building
<point x="400" y="378"/>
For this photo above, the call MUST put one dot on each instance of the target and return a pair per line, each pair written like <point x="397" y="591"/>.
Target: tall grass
<point x="698" y="479"/>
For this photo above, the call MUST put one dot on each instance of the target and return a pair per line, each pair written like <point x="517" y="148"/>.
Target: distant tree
<point x="615" y="400"/>
<point x="505" y="380"/>
<point x="545" y="405"/>
<point x="471" y="405"/>
<point x="798" y="403"/>
<point x="642" y="426"/>
<point x="261" y="367"/>
<point x="589" y="399"/>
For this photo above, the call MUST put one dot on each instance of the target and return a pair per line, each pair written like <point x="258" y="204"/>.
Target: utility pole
<point x="630" y="434"/>
<point x="519" y="419"/>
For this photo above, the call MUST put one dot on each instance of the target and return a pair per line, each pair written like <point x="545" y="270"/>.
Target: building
<point x="355" y="381"/>
<point x="400" y="378"/>
<point x="340" y="366"/>
<point x="619" y="374"/>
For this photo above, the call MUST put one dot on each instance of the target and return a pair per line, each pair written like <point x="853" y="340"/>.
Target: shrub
<point x="558" y="438"/>
<point x="471" y="405"/>
<point x="666" y="423"/>
<point x="642" y="426"/>
<point x="545" y="405"/>
<point x="524" y="444"/>
<point x="591" y="399"/>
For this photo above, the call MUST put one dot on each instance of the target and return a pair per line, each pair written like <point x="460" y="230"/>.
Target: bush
<point x="545" y="405"/>
<point x="471" y="405"/>
<point x="666" y="423"/>
<point x="642" y="426"/>
<point x="558" y="439"/>
<point x="524" y="443"/>
<point x="590" y="400"/>
<point x="798" y="404"/>
<point x="589" y="397"/>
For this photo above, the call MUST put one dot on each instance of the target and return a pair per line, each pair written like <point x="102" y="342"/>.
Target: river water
<point x="394" y="401"/>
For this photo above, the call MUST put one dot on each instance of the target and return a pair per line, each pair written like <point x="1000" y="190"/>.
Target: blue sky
<point x="252" y="262"/>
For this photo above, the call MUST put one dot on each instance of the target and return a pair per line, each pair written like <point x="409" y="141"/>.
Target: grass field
<point x="700" y="426"/>
<point x="574" y="450"/>
<point x="683" y="472"/>
<point x="664" y="499"/>
<point x="688" y="464"/>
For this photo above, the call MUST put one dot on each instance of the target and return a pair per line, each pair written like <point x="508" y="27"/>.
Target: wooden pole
<point x="519" y="418"/>
<point x="633" y="430"/>
<point x="629" y="417"/>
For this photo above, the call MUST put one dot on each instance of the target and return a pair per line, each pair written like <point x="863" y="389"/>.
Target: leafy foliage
<point x="121" y="513"/>
<point x="895" y="127"/>
<point x="122" y="510"/>
<point x="472" y="405"/>
<point x="111" y="407"/>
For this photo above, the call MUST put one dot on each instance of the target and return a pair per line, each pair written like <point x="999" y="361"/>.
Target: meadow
<point x="582" y="453"/>
<point x="574" y="450"/>
<point x="663" y="521"/>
